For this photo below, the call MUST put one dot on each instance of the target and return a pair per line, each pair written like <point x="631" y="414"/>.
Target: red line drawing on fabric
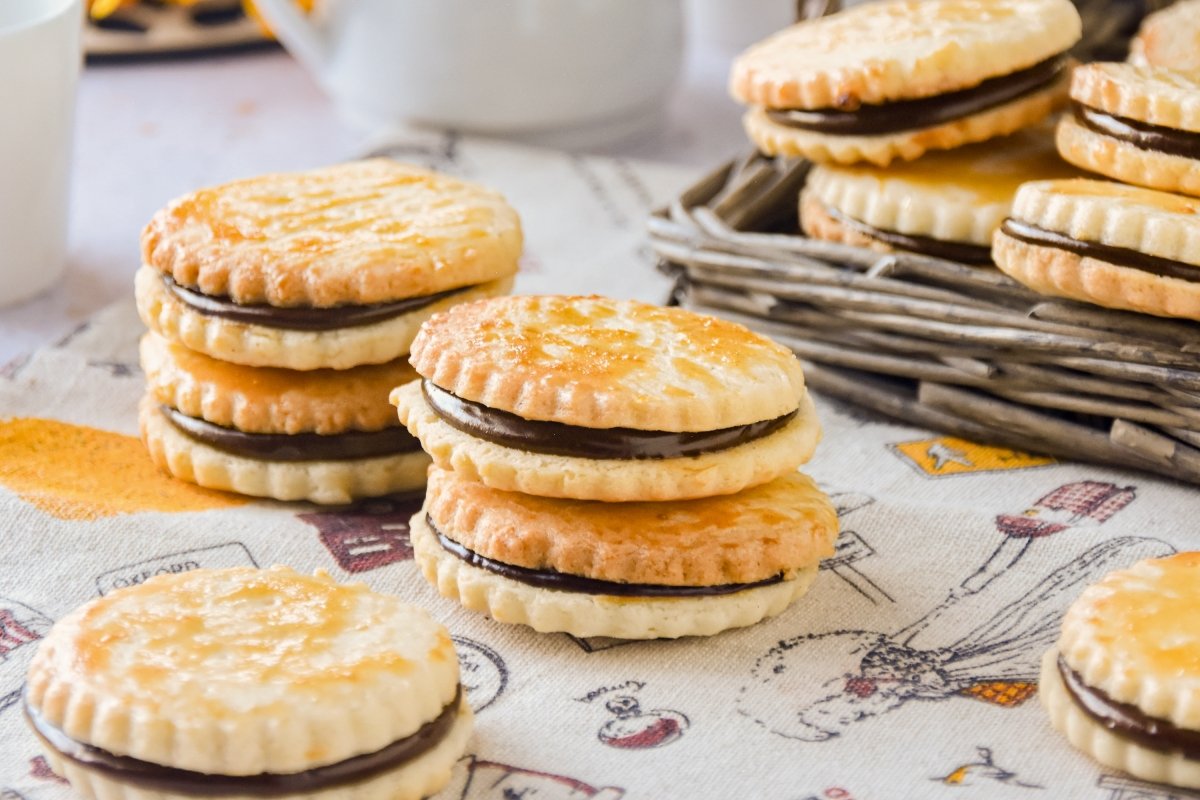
<point x="868" y="674"/>
<point x="630" y="728"/>
<point x="20" y="627"/>
<point x="39" y="768"/>
<point x="476" y="779"/>
<point x="369" y="535"/>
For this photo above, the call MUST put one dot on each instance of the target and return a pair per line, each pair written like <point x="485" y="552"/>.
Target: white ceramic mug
<point x="509" y="67"/>
<point x="40" y="57"/>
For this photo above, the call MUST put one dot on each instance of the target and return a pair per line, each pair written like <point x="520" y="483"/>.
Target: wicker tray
<point x="943" y="345"/>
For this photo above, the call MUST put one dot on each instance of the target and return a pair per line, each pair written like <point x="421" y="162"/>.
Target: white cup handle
<point x="303" y="39"/>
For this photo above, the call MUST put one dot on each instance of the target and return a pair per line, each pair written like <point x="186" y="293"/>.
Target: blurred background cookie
<point x="1139" y="125"/>
<point x="1105" y="243"/>
<point x="248" y="683"/>
<point x="894" y="79"/>
<point x="327" y="436"/>
<point x="1169" y="38"/>
<point x="334" y="267"/>
<point x="600" y="399"/>
<point x="633" y="571"/>
<point x="944" y="204"/>
<point x="1121" y="682"/>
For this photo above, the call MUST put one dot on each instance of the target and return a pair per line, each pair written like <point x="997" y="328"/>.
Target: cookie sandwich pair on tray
<point x="612" y="468"/>
<point x="281" y="311"/>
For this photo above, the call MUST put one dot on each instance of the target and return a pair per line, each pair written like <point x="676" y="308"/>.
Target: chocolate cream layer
<point x="159" y="778"/>
<point x="1139" y="134"/>
<point x="1127" y="720"/>
<point x="965" y="252"/>
<point x="1118" y="256"/>
<point x="926" y="112"/>
<point x="561" y="581"/>
<point x="555" y="438"/>
<point x="306" y="318"/>
<point x="294" y="446"/>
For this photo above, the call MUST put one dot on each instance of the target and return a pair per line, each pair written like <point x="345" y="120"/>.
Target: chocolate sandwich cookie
<point x="945" y="204"/>
<point x="328" y="436"/>
<point x="1139" y="125"/>
<point x="632" y="571"/>
<point x="600" y="399"/>
<point x="894" y="79"/>
<point x="1121" y="683"/>
<point x="334" y="267"/>
<point x="1105" y="243"/>
<point x="247" y="683"/>
<point x="1168" y="38"/>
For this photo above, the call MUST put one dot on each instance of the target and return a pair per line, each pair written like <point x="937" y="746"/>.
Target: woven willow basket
<point x="948" y="346"/>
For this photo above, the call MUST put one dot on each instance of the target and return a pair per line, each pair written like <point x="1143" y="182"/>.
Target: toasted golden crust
<point x="901" y="49"/>
<point x="1056" y="272"/>
<point x="1155" y="223"/>
<point x="959" y="195"/>
<point x="778" y="527"/>
<point x="779" y="140"/>
<point x="422" y="777"/>
<point x="1169" y="38"/>
<point x="270" y="400"/>
<point x="594" y="362"/>
<point x="1127" y="162"/>
<point x="817" y="223"/>
<point x="610" y="480"/>
<point x="243" y="671"/>
<point x="1102" y="744"/>
<point x="324" y="482"/>
<point x="1135" y="635"/>
<point x="352" y="234"/>
<point x="580" y="614"/>
<point x="258" y="346"/>
<point x="1152" y="95"/>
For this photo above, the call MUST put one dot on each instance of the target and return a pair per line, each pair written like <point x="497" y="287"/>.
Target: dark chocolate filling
<point x="156" y="777"/>
<point x="306" y="318"/>
<point x="925" y="112"/>
<point x="914" y="243"/>
<point x="1127" y="720"/>
<point x="295" y="446"/>
<point x="561" y="581"/>
<point x="555" y="438"/>
<point x="1139" y="134"/>
<point x="1118" y="256"/>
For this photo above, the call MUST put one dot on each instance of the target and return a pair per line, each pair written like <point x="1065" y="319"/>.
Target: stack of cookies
<point x="281" y="309"/>
<point x="612" y="468"/>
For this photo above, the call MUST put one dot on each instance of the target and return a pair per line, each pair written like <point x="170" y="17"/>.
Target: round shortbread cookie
<point x="1126" y="162"/>
<point x="1135" y="635"/>
<point x="594" y="362"/>
<point x="1169" y="38"/>
<point x="1097" y="741"/>
<point x="1155" y="96"/>
<point x="960" y="195"/>
<point x="775" y="139"/>
<point x="901" y="49"/>
<point x="324" y="482"/>
<point x="245" y="672"/>
<point x="579" y="614"/>
<point x="268" y="399"/>
<point x="610" y="480"/>
<point x="778" y="527"/>
<point x="419" y="778"/>
<point x="260" y="346"/>
<point x="352" y="234"/>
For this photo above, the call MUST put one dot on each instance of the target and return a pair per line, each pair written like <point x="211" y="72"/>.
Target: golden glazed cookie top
<point x="778" y="527"/>
<point x="600" y="363"/>
<point x="1153" y="95"/>
<point x="901" y="49"/>
<point x="243" y="671"/>
<point x="271" y="400"/>
<point x="1135" y="635"/>
<point x="352" y="234"/>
